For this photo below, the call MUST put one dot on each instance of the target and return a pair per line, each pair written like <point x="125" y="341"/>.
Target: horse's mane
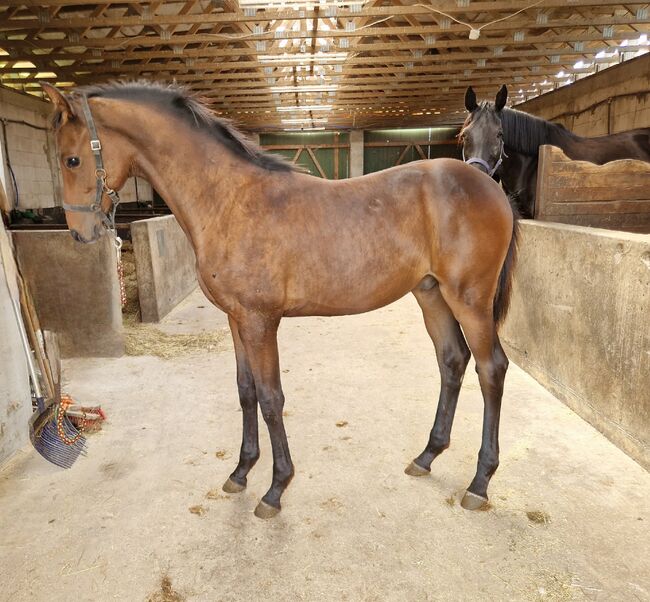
<point x="178" y="101"/>
<point x="522" y="133"/>
<point x="525" y="133"/>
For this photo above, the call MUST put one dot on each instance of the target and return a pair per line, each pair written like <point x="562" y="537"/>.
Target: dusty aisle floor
<point x="354" y="526"/>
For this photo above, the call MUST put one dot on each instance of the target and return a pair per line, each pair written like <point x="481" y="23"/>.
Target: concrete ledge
<point x="579" y="323"/>
<point x="76" y="290"/>
<point x="164" y="264"/>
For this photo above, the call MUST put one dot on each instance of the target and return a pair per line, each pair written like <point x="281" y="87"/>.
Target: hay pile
<point x="146" y="339"/>
<point x="132" y="307"/>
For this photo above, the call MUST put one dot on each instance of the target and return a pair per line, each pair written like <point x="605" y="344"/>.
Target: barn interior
<point x="342" y="89"/>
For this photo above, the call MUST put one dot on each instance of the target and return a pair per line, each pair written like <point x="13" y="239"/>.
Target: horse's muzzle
<point x="97" y="233"/>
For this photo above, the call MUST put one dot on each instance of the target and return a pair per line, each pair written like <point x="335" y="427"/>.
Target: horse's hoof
<point x="415" y="470"/>
<point x="231" y="486"/>
<point x="471" y="501"/>
<point x="265" y="511"/>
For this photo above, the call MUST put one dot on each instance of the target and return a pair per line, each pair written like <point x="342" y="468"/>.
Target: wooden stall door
<point x="614" y="196"/>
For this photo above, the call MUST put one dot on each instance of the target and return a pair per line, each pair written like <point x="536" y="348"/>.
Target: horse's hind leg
<point x="250" y="448"/>
<point x="452" y="354"/>
<point x="491" y="365"/>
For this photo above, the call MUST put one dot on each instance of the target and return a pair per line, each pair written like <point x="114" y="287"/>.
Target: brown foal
<point x="272" y="242"/>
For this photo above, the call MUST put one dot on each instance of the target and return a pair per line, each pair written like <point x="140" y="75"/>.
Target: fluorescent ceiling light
<point x="299" y="58"/>
<point x="307" y="108"/>
<point x="304" y="120"/>
<point x="302" y="89"/>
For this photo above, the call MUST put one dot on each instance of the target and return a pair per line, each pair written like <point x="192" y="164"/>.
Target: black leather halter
<point x="102" y="187"/>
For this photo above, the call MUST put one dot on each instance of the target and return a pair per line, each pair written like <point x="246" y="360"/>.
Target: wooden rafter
<point x="347" y="65"/>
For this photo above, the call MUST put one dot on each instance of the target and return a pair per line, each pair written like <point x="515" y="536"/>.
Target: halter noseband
<point x="483" y="163"/>
<point x="100" y="173"/>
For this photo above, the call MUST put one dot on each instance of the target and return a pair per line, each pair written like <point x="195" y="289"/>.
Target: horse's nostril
<point x="75" y="235"/>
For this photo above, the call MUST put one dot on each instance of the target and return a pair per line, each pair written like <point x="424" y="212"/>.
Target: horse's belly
<point x="342" y="299"/>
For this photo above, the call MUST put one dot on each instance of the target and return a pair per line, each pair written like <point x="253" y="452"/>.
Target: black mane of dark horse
<point x="523" y="134"/>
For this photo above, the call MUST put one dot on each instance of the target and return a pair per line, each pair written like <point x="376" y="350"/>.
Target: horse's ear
<point x="470" y="99"/>
<point x="502" y="96"/>
<point x="63" y="108"/>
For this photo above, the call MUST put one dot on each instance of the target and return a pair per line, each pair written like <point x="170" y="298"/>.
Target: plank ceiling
<point x="322" y="64"/>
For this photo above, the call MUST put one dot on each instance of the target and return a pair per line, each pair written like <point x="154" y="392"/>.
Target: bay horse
<point x="510" y="138"/>
<point x="272" y="242"/>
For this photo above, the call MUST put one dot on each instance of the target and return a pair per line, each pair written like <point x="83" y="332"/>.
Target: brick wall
<point x="30" y="151"/>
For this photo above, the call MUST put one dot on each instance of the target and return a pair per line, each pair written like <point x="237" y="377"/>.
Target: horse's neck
<point x="570" y="143"/>
<point x="196" y="176"/>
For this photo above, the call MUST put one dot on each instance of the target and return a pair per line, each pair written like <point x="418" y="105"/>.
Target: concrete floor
<point x="354" y="526"/>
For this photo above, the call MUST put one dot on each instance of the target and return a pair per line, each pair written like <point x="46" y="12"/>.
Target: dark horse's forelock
<point x="484" y="109"/>
<point x="180" y="103"/>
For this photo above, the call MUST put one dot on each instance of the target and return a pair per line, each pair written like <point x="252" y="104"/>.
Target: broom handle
<point x="10" y="272"/>
<point x="28" y="355"/>
<point x="31" y="328"/>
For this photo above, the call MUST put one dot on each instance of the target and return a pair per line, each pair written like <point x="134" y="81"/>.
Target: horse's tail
<point x="504" y="286"/>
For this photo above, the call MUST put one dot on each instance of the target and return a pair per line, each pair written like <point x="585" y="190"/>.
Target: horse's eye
<point x="500" y="134"/>
<point x="72" y="162"/>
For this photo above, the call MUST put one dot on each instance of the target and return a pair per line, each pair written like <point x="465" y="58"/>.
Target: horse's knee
<point x="247" y="395"/>
<point x="495" y="369"/>
<point x="271" y="406"/>
<point x="453" y="365"/>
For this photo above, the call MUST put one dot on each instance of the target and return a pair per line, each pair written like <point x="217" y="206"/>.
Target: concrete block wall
<point x="579" y="323"/>
<point x="31" y="151"/>
<point x="144" y="191"/>
<point x="15" y="395"/>
<point x="165" y="265"/>
<point x="76" y="290"/>
<point x="613" y="100"/>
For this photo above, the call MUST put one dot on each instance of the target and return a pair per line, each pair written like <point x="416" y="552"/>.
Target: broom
<point x="51" y="433"/>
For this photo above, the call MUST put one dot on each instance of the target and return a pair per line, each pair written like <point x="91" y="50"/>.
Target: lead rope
<point x="59" y="414"/>
<point x="120" y="270"/>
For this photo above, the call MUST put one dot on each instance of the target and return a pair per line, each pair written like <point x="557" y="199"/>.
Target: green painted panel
<point x="325" y="156"/>
<point x="376" y="158"/>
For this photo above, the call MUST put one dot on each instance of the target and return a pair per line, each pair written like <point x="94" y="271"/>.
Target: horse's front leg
<point x="259" y="335"/>
<point x="250" y="447"/>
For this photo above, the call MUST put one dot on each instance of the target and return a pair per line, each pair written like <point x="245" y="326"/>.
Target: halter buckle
<point x="95" y="146"/>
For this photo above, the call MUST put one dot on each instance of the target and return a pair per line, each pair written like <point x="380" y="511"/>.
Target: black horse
<point x="505" y="143"/>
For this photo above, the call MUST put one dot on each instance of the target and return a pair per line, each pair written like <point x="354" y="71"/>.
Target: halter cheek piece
<point x="483" y="163"/>
<point x="100" y="173"/>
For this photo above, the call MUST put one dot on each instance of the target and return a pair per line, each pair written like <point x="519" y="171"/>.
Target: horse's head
<point x="482" y="134"/>
<point x="91" y="170"/>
